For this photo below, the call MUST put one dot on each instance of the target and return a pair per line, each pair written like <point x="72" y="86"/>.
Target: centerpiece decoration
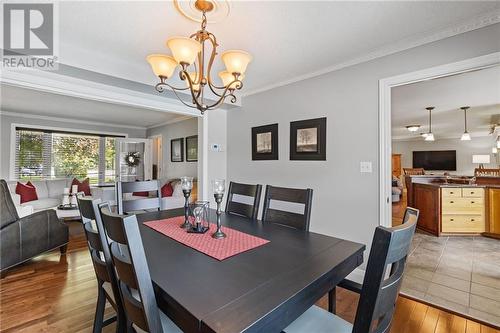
<point x="199" y="212"/>
<point x="219" y="187"/>
<point x="187" y="186"/>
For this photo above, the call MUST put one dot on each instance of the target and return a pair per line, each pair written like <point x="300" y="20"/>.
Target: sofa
<point x="22" y="238"/>
<point x="49" y="192"/>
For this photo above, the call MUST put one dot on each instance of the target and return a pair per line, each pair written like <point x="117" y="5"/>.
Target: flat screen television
<point x="435" y="160"/>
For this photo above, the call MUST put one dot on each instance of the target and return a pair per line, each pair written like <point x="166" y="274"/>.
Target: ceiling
<point x="478" y="89"/>
<point x="288" y="39"/>
<point x="32" y="102"/>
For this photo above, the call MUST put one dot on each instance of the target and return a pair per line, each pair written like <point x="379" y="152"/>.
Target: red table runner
<point x="236" y="242"/>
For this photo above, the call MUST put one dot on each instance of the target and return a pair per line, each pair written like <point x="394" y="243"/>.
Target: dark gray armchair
<point x="24" y="238"/>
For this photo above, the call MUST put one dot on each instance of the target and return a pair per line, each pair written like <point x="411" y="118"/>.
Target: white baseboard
<point x="357" y="275"/>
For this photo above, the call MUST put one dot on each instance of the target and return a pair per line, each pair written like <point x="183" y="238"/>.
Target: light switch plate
<point x="365" y="167"/>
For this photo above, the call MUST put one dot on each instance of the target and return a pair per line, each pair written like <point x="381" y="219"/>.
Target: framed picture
<point x="177" y="150"/>
<point x="265" y="142"/>
<point x="308" y="139"/>
<point x="192" y="148"/>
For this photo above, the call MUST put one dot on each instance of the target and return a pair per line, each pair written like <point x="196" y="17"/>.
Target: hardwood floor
<point x="54" y="293"/>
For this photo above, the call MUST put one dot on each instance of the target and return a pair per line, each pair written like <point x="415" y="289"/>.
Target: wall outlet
<point x="365" y="167"/>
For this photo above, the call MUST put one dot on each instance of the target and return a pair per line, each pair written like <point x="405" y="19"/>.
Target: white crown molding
<point x="478" y="22"/>
<point x="65" y="120"/>
<point x="172" y="121"/>
<point x="64" y="85"/>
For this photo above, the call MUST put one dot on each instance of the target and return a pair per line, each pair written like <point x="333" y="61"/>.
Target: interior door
<point x="134" y="159"/>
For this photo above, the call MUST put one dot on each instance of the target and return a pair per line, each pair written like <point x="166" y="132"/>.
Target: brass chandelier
<point x="188" y="53"/>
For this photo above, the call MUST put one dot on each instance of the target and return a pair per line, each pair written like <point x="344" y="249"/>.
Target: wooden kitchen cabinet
<point x="494" y="211"/>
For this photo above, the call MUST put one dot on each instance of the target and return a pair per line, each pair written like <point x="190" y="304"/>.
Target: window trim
<point x="13" y="126"/>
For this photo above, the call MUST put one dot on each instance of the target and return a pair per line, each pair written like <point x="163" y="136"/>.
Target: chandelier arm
<point x="194" y="94"/>
<point x="186" y="104"/>
<point x="213" y="40"/>
<point x="160" y="87"/>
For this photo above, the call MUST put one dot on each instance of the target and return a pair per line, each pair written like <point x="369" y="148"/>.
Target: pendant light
<point x="466" y="135"/>
<point x="430" y="135"/>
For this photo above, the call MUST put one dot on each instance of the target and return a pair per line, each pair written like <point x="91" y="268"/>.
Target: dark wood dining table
<point x="261" y="290"/>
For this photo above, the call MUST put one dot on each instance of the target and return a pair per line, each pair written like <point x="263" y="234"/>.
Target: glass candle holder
<point x="219" y="187"/>
<point x="186" y="186"/>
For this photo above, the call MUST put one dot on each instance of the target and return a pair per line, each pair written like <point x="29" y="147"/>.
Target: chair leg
<point x="121" y="322"/>
<point x="63" y="248"/>
<point x="99" y="310"/>
<point x="332" y="300"/>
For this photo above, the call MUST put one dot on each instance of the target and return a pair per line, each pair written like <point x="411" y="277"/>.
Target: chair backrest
<point x="137" y="204"/>
<point x="291" y="195"/>
<point x="240" y="208"/>
<point x="129" y="260"/>
<point x="487" y="172"/>
<point x="390" y="247"/>
<point x="97" y="243"/>
<point x="413" y="171"/>
<point x="411" y="215"/>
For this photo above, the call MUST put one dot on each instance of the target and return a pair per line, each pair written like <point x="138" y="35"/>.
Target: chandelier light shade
<point x="466" y="135"/>
<point x="430" y="135"/>
<point x="185" y="50"/>
<point x="162" y="65"/>
<point x="195" y="56"/>
<point x="228" y="78"/>
<point x="236" y="61"/>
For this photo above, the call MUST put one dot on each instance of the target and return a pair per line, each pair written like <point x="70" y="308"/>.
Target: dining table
<point x="260" y="290"/>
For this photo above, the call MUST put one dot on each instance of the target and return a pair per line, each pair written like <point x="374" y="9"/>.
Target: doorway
<point x="157" y="155"/>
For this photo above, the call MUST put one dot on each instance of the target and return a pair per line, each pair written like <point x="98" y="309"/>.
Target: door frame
<point x="160" y="153"/>
<point x="385" y="136"/>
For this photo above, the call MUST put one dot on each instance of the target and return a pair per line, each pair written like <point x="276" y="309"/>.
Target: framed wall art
<point x="177" y="150"/>
<point x="192" y="148"/>
<point x="308" y="139"/>
<point x="265" y="142"/>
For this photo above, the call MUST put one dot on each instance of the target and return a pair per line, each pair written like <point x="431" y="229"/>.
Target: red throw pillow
<point x="26" y="191"/>
<point x="141" y="194"/>
<point x="82" y="186"/>
<point x="167" y="190"/>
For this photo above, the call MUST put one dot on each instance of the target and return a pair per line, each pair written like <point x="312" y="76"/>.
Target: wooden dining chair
<point x="480" y="172"/>
<point x="411" y="215"/>
<point x="290" y="195"/>
<point x="379" y="292"/>
<point x="107" y="285"/>
<point x="241" y="208"/>
<point x="134" y="280"/>
<point x="138" y="204"/>
<point x="413" y="171"/>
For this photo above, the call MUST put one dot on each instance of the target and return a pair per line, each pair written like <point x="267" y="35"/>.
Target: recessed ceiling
<point x="33" y="102"/>
<point x="478" y="89"/>
<point x="288" y="39"/>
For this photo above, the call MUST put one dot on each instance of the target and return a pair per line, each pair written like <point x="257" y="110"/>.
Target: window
<point x="45" y="154"/>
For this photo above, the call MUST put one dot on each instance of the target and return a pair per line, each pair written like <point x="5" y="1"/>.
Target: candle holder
<point x="187" y="186"/>
<point x="219" y="188"/>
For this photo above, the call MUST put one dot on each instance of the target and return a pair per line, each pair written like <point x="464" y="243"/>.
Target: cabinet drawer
<point x="463" y="206"/>
<point x="473" y="193"/>
<point x="451" y="192"/>
<point x="463" y="223"/>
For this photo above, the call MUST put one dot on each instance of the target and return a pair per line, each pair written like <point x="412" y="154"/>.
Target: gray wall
<point x="345" y="202"/>
<point x="465" y="150"/>
<point x="5" y="134"/>
<point x="180" y="129"/>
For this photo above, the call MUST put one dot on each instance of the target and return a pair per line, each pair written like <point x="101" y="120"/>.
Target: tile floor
<point x="459" y="273"/>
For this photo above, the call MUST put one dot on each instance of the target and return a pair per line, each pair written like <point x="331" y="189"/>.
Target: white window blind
<point x="45" y="154"/>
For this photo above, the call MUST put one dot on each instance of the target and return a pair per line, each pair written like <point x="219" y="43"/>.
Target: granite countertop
<point x="459" y="185"/>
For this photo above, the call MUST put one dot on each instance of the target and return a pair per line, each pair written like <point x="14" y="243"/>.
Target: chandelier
<point x="189" y="54"/>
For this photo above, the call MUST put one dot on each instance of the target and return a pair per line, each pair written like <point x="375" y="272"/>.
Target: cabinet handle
<point x="452" y="220"/>
<point x="471" y="192"/>
<point x="472" y="220"/>
<point x="452" y="201"/>
<point x="472" y="202"/>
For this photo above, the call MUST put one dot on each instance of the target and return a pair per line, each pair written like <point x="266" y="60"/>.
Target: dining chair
<point x="413" y="171"/>
<point x="138" y="204"/>
<point x="134" y="280"/>
<point x="241" y="208"/>
<point x="287" y="195"/>
<point x="411" y="215"/>
<point x="107" y="285"/>
<point x="379" y="292"/>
